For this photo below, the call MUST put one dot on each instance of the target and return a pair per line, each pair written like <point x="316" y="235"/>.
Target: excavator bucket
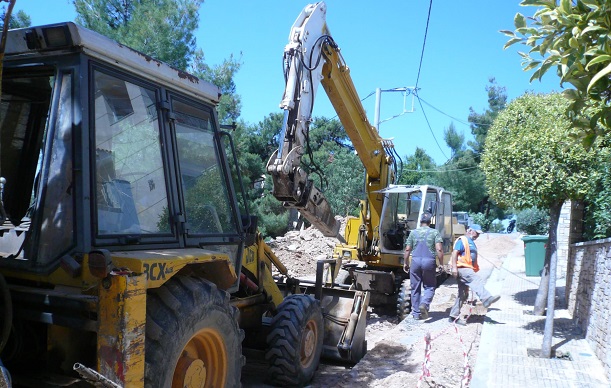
<point x="345" y="319"/>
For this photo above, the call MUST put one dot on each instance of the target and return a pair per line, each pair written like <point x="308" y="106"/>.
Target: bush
<point x="483" y="221"/>
<point x="496" y="227"/>
<point x="533" y="221"/>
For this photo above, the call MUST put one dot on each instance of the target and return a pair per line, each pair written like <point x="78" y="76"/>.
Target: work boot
<point x="424" y="311"/>
<point x="491" y="300"/>
<point x="457" y="321"/>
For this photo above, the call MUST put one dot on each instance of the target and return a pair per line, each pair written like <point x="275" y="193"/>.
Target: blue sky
<point x="382" y="44"/>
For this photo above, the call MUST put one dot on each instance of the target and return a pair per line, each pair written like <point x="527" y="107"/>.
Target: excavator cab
<point x="375" y="264"/>
<point x="404" y="205"/>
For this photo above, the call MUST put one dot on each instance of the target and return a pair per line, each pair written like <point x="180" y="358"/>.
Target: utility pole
<point x="406" y="90"/>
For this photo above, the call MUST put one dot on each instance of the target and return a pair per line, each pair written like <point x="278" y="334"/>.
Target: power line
<point x="445" y="114"/>
<point x="428" y="19"/>
<point x="424" y="42"/>
<point x="454" y="118"/>
<point x="452" y="170"/>
<point x="430" y="128"/>
<point x="362" y="99"/>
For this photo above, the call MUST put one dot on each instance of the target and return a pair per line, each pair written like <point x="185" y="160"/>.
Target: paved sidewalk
<point x="511" y="335"/>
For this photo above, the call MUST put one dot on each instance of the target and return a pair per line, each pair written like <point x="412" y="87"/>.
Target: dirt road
<point x="397" y="350"/>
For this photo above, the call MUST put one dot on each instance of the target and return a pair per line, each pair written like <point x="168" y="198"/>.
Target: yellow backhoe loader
<point x="125" y="257"/>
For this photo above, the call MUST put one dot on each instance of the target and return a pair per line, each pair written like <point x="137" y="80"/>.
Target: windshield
<point x="400" y="215"/>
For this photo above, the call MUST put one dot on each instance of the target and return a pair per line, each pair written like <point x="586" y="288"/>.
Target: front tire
<point x="295" y="341"/>
<point x="192" y="336"/>
<point x="404" y="300"/>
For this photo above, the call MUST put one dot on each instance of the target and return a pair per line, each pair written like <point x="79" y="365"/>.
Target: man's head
<point x="474" y="231"/>
<point x="426" y="218"/>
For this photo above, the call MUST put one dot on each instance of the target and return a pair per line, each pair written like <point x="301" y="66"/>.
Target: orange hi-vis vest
<point x="464" y="260"/>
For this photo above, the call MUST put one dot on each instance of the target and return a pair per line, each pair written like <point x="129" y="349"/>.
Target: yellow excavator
<point x="371" y="256"/>
<point x="126" y="259"/>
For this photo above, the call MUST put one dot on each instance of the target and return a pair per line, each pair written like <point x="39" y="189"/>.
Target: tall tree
<point x="329" y="159"/>
<point x="255" y="143"/>
<point x="417" y="168"/>
<point x="454" y="140"/>
<point x="342" y="173"/>
<point x="461" y="174"/>
<point x="571" y="37"/>
<point x="222" y="76"/>
<point x="531" y="159"/>
<point x="481" y="122"/>
<point x="162" y="29"/>
<point x="17" y="20"/>
<point x="463" y="178"/>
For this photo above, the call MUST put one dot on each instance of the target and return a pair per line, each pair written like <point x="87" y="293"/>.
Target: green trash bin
<point x="534" y="254"/>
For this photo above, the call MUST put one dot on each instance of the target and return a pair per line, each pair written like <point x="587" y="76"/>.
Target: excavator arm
<point x="312" y="57"/>
<point x="303" y="67"/>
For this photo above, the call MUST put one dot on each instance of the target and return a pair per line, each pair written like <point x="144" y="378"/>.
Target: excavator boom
<point x="312" y="57"/>
<point x="388" y="212"/>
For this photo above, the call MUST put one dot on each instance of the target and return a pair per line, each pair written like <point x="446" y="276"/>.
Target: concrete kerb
<point x="483" y="363"/>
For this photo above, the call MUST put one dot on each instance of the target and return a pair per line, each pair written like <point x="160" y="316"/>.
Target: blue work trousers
<point x="422" y="274"/>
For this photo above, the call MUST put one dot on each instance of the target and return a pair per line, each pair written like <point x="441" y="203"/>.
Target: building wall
<point x="588" y="285"/>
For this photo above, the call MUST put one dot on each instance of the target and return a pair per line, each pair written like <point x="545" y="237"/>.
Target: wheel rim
<point x="309" y="340"/>
<point x="203" y="362"/>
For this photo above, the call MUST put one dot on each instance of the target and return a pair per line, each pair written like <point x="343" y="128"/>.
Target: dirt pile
<point x="494" y="247"/>
<point x="299" y="250"/>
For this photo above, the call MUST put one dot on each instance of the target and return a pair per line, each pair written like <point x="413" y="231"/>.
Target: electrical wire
<point x="429" y="125"/>
<point x="454" y="118"/>
<point x="448" y="170"/>
<point x="445" y="114"/>
<point x="428" y="18"/>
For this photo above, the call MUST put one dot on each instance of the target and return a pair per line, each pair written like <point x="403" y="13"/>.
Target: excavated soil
<point x="300" y="250"/>
<point x="398" y="354"/>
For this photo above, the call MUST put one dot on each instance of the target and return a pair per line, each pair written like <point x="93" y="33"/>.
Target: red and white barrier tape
<point x="467" y="373"/>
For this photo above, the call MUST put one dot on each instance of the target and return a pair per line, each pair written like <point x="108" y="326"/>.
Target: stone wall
<point x="568" y="232"/>
<point x="588" y="285"/>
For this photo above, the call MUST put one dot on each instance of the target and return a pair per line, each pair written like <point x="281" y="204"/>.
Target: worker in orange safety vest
<point x="464" y="269"/>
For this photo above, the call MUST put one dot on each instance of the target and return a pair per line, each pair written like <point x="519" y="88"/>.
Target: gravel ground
<point x="398" y="350"/>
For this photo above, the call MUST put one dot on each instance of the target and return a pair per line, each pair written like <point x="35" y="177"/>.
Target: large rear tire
<point x="192" y="336"/>
<point x="404" y="300"/>
<point x="295" y="341"/>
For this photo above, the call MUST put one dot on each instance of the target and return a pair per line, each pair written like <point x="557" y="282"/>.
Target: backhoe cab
<point x="125" y="256"/>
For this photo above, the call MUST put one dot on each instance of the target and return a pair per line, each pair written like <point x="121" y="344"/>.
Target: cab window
<point x="130" y="187"/>
<point x="204" y="188"/>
